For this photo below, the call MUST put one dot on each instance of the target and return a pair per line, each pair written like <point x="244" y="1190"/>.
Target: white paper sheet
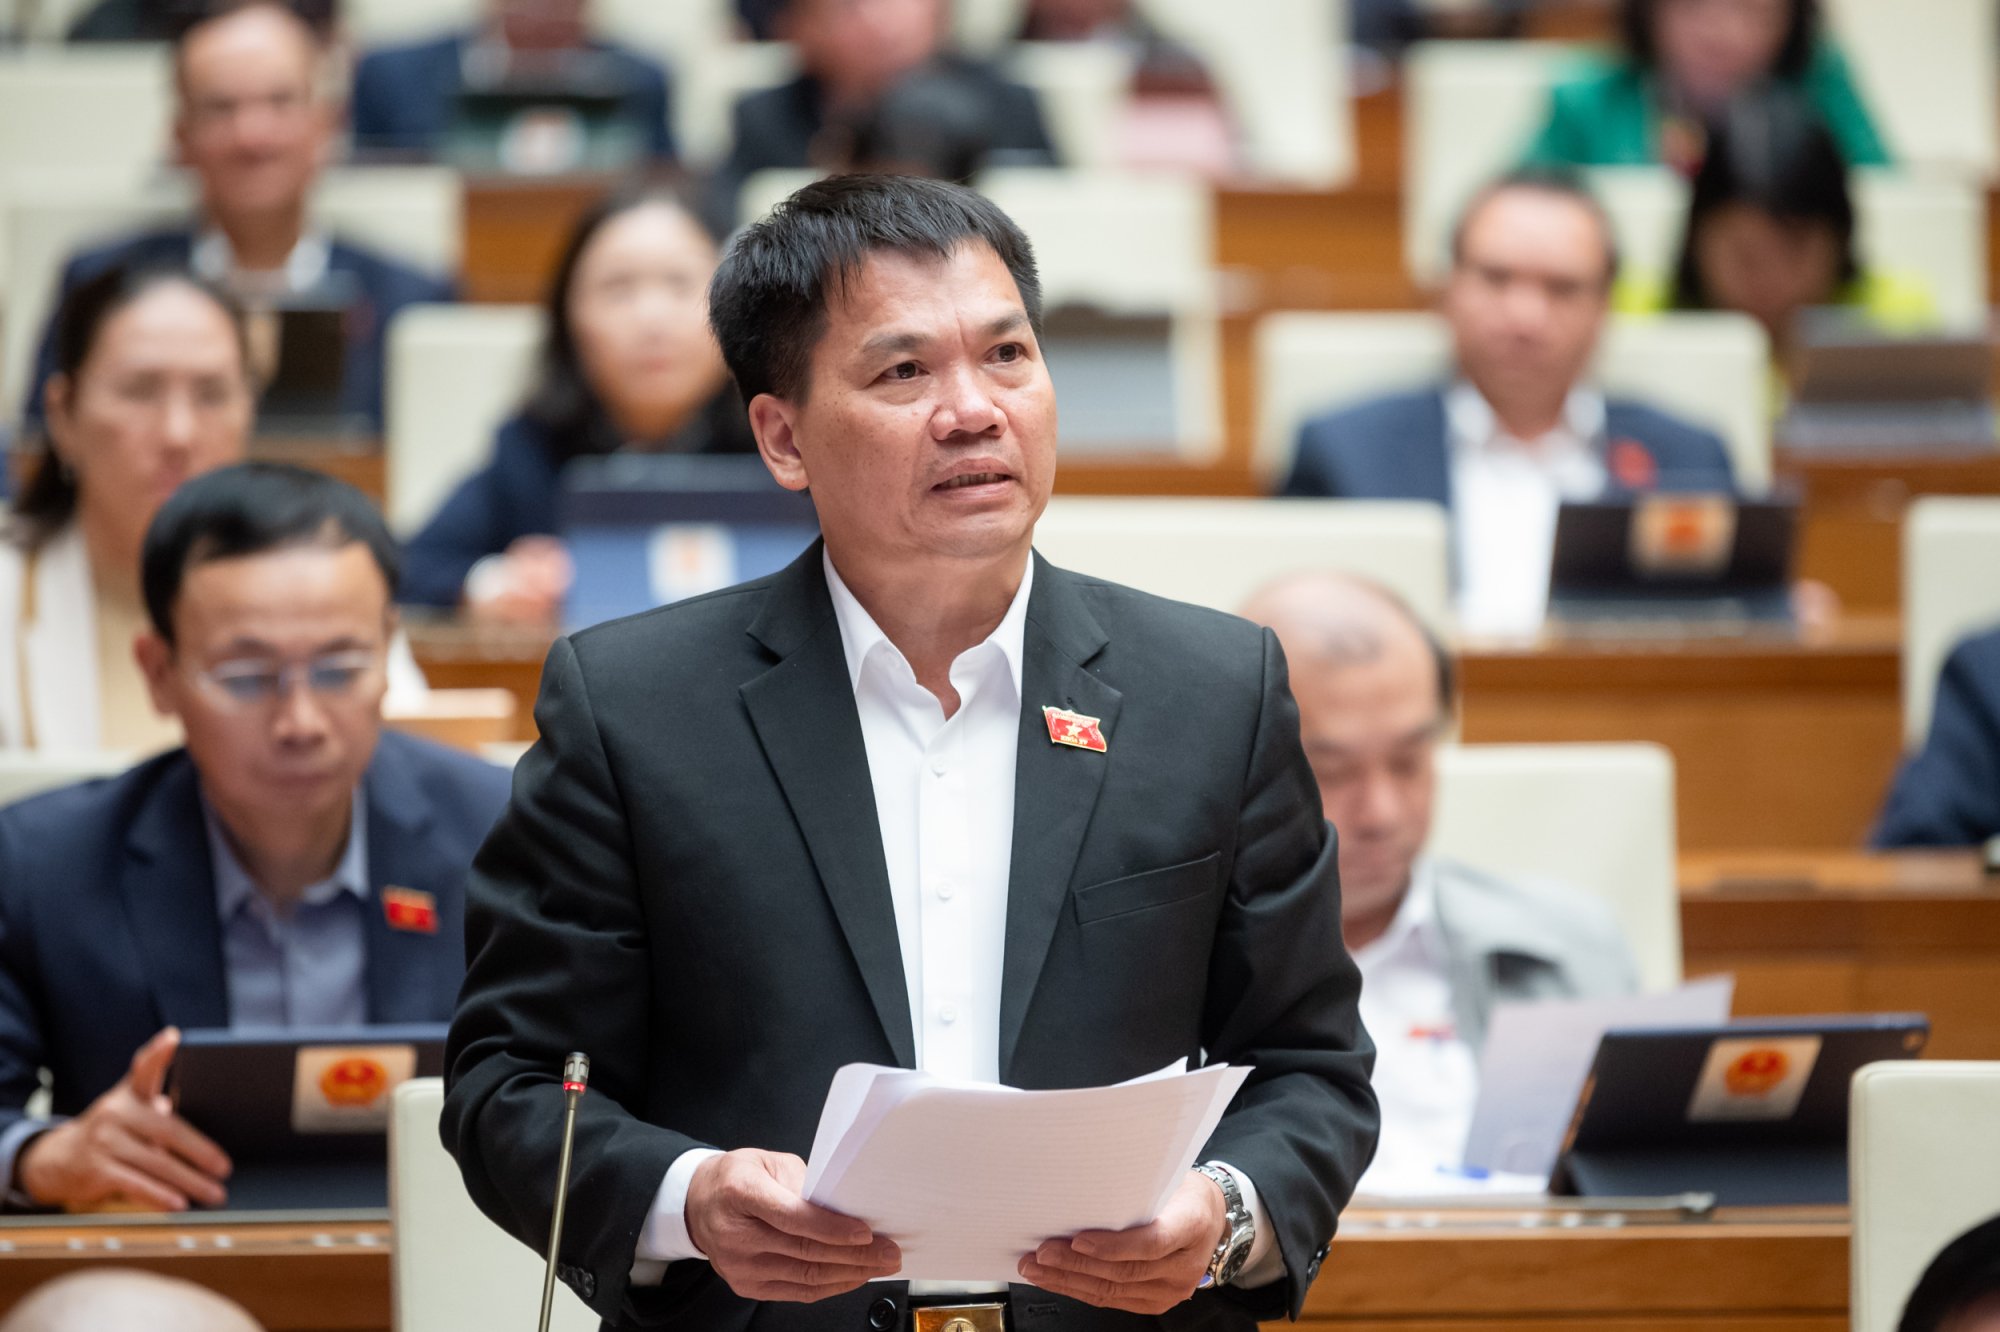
<point x="969" y="1177"/>
<point x="1537" y="1055"/>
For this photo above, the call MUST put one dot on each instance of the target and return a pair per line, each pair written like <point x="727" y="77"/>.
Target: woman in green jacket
<point x="1683" y="61"/>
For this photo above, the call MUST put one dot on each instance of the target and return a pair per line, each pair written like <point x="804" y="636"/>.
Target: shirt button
<point x="945" y="891"/>
<point x="937" y="767"/>
<point x="947" y="1014"/>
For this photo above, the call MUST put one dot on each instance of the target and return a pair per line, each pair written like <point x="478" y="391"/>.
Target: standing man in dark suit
<point x="851" y="52"/>
<point x="405" y="97"/>
<point x="920" y="799"/>
<point x="292" y="866"/>
<point x="1519" y="428"/>
<point x="254" y="125"/>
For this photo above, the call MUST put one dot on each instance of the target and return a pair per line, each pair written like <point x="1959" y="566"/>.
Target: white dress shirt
<point x="944" y="800"/>
<point x="1426" y="1077"/>
<point x="214" y="260"/>
<point x="1505" y="494"/>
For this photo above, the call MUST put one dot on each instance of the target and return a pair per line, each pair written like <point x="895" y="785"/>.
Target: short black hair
<point x="1965" y="1271"/>
<point x="562" y="402"/>
<point x="768" y="301"/>
<point x="248" y="509"/>
<point x="1561" y="181"/>
<point x="1635" y="29"/>
<point x="1768" y="149"/>
<point x="49" y="497"/>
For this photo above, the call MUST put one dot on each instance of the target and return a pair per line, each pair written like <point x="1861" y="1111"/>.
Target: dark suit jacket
<point x="1948" y="794"/>
<point x="517" y="494"/>
<point x="1398" y="447"/>
<point x="385" y="284"/>
<point x="776" y="127"/>
<point x="403" y="95"/>
<point x="108" y="927"/>
<point x="689" y="886"/>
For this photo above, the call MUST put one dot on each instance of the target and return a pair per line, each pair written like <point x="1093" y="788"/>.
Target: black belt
<point x="942" y="1313"/>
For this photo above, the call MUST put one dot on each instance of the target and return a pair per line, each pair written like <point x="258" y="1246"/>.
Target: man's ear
<point x="772" y="420"/>
<point x="156" y="664"/>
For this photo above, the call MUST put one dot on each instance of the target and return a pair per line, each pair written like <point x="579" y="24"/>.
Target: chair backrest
<point x="1082" y="90"/>
<point x="1925" y="70"/>
<point x="26" y="772"/>
<point x="1928" y="228"/>
<point x="1127" y="241"/>
<point x="706" y="91"/>
<point x="1595" y="817"/>
<point x="1281" y="66"/>
<point x="110" y="106"/>
<point x="1709" y="369"/>
<point x="1216" y="552"/>
<point x="410" y="212"/>
<point x="451" y="1269"/>
<point x="1951" y="550"/>
<point x="1469" y="111"/>
<point x="1923" y="1168"/>
<point x="455" y="372"/>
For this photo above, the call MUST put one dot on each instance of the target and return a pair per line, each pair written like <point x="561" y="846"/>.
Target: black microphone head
<point x="576" y="1071"/>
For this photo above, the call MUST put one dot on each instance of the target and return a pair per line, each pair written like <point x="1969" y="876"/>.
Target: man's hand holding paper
<point x="1148" y="1269"/>
<point x="744" y="1211"/>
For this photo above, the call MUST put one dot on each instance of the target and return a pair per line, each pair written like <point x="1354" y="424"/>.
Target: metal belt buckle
<point x="960" y="1318"/>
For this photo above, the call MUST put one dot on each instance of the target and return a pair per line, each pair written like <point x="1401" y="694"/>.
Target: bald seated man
<point x="1439" y="943"/>
<point x="117" y="1299"/>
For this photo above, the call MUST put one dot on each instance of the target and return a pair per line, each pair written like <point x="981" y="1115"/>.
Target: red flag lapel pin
<point x="410" y="909"/>
<point x="1073" y="728"/>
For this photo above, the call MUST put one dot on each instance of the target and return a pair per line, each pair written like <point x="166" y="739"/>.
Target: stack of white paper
<point x="968" y="1178"/>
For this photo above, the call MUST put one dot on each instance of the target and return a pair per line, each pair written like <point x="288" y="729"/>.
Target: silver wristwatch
<point x="1238" y="1233"/>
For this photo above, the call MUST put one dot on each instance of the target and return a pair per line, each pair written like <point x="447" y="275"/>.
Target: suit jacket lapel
<point x="803" y="711"/>
<point x="1055" y="786"/>
<point x="412" y="975"/>
<point x="169" y="888"/>
<point x="1430" y="454"/>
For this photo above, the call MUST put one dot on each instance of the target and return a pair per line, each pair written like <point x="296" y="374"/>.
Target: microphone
<point x="576" y="1077"/>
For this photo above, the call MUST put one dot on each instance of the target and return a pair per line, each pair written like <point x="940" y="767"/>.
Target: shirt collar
<point x="1475" y="426"/>
<point x="860" y="636"/>
<point x="234" y="887"/>
<point x="1415" y="926"/>
<point x="213" y="260"/>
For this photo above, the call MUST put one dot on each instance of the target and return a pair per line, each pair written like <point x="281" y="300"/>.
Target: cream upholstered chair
<point x="451" y="1269"/>
<point x="1951" y="550"/>
<point x="1469" y="111"/>
<point x="454" y="372"/>
<point x="1216" y="552"/>
<point x="1596" y="817"/>
<point x="27" y="772"/>
<point x="106" y="106"/>
<point x="1082" y="90"/>
<point x="705" y="93"/>
<point x="1923" y="1168"/>
<point x="1707" y="368"/>
<point x="1925" y="69"/>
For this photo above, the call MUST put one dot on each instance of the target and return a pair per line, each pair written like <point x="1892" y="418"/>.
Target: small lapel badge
<point x="410" y="909"/>
<point x="1073" y="728"/>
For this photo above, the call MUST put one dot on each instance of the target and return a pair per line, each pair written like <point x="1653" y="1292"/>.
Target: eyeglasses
<point x="253" y="683"/>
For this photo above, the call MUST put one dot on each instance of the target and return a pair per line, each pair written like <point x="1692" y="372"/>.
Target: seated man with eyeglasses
<point x="241" y="881"/>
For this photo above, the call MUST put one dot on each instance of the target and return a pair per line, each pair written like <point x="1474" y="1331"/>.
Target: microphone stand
<point x="576" y="1077"/>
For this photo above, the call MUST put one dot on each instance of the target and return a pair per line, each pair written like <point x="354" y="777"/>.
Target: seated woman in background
<point x="1770" y="230"/>
<point x="1683" y="61"/>
<point x="152" y="387"/>
<point x="628" y="363"/>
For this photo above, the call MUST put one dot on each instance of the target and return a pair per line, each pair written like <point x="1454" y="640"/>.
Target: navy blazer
<point x="1398" y="447"/>
<point x="517" y="494"/>
<point x="1948" y="793"/>
<point x="108" y="925"/>
<point x="385" y="285"/>
<point x="776" y="127"/>
<point x="404" y="96"/>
